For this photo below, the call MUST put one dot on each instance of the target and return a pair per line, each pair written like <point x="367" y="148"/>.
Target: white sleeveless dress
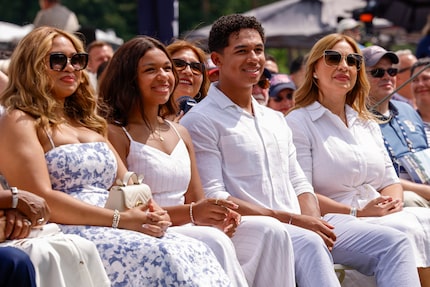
<point x="245" y="257"/>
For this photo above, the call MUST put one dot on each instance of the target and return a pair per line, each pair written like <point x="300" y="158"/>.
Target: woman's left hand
<point x="17" y="225"/>
<point x="231" y="222"/>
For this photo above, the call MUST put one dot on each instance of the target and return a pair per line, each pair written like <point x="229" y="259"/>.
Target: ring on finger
<point x="27" y="222"/>
<point x="40" y="221"/>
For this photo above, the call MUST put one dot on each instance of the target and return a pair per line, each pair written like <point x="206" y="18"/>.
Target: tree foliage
<point x="122" y="15"/>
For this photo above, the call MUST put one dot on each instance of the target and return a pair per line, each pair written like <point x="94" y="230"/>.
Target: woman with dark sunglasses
<point x="340" y="149"/>
<point x="189" y="62"/>
<point x="57" y="147"/>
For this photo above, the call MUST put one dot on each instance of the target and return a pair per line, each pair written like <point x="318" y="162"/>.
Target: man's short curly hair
<point x="224" y="26"/>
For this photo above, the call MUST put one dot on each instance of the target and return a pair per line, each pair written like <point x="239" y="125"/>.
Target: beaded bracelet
<point x="191" y="213"/>
<point x="116" y="218"/>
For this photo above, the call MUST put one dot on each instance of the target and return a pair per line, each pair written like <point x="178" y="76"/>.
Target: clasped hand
<point x="381" y="206"/>
<point x="150" y="219"/>
<point x="320" y="226"/>
<point x="218" y="213"/>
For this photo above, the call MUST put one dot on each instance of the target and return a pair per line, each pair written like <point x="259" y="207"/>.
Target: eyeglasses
<point x="264" y="83"/>
<point x="404" y="70"/>
<point x="379" y="73"/>
<point x="59" y="61"/>
<point x="196" y="68"/>
<point x="333" y="58"/>
<point x="279" y="99"/>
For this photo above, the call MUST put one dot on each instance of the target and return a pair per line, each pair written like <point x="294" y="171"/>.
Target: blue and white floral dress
<point x="86" y="171"/>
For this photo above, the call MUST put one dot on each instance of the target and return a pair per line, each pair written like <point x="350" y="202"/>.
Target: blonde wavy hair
<point x="308" y="93"/>
<point x="30" y="87"/>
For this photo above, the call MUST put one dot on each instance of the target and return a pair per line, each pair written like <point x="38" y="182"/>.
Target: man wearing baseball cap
<point x="351" y="28"/>
<point x="281" y="93"/>
<point x="401" y="126"/>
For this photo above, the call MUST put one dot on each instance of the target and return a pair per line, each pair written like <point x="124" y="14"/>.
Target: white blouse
<point x="345" y="163"/>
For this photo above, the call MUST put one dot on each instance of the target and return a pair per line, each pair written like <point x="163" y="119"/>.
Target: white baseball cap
<point x="347" y="24"/>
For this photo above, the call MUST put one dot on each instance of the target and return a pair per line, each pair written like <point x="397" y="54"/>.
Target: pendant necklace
<point x="157" y="132"/>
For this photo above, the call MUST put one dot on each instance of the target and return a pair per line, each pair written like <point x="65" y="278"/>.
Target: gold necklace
<point x="157" y="132"/>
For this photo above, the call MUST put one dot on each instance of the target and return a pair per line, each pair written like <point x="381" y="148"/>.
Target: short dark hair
<point x="224" y="26"/>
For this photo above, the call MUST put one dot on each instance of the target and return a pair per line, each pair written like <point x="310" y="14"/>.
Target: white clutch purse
<point x="124" y="196"/>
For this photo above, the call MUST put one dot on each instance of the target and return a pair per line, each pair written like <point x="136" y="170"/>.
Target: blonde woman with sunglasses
<point x="340" y="149"/>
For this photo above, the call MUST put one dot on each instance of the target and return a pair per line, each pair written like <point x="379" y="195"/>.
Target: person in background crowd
<point x="281" y="93"/>
<point x="402" y="128"/>
<point x="193" y="85"/>
<point x="271" y="64"/>
<point x="54" y="14"/>
<point x="423" y="46"/>
<point x="340" y="149"/>
<point x="260" y="90"/>
<point x="99" y="52"/>
<point x="298" y="69"/>
<point x="420" y="87"/>
<point x="57" y="147"/>
<point x="351" y="28"/>
<point x="406" y="61"/>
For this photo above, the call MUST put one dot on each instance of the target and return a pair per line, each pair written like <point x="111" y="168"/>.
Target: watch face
<point x="3" y="182"/>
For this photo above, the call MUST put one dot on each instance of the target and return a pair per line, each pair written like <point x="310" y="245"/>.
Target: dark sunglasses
<point x="196" y="68"/>
<point x="379" y="73"/>
<point x="264" y="83"/>
<point x="333" y="58"/>
<point x="59" y="61"/>
<point x="279" y="99"/>
<point x="404" y="70"/>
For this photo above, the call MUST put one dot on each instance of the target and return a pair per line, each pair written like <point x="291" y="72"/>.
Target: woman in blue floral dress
<point x="56" y="146"/>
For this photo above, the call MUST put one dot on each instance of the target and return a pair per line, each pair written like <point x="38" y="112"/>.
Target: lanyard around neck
<point x="405" y="136"/>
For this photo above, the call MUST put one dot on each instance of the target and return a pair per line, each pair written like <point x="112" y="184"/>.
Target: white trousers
<point x="62" y="260"/>
<point x="260" y="253"/>
<point x="375" y="250"/>
<point x="415" y="223"/>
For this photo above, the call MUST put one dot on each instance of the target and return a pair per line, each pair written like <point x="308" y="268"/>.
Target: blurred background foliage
<point x="122" y="15"/>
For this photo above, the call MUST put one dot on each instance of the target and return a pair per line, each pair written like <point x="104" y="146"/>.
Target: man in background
<point x="99" y="52"/>
<point x="406" y="60"/>
<point x="351" y="28"/>
<point x="53" y="14"/>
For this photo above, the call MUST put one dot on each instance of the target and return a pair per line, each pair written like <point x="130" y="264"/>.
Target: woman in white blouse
<point x="340" y="148"/>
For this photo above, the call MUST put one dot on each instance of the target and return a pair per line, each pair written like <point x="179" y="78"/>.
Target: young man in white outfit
<point x="245" y="153"/>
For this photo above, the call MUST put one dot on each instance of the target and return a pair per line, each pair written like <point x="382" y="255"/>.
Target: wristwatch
<point x="14" y="191"/>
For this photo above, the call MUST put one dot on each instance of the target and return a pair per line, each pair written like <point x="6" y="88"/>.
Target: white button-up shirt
<point x="345" y="163"/>
<point x="248" y="157"/>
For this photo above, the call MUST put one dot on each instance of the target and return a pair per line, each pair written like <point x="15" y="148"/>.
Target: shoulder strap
<point x="127" y="134"/>
<point x="49" y="138"/>
<point x="174" y="128"/>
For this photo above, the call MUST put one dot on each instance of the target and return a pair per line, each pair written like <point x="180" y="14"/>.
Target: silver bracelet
<point x="14" y="191"/>
<point x="116" y="218"/>
<point x="353" y="211"/>
<point x="191" y="213"/>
